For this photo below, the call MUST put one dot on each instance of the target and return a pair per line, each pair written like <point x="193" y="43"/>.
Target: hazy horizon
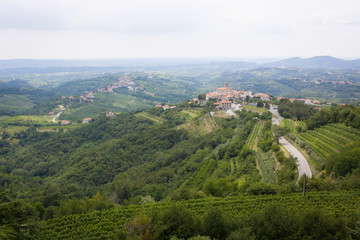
<point x="138" y="29"/>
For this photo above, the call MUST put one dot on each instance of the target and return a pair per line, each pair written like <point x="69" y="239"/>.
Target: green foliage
<point x="286" y="174"/>
<point x="242" y="234"/>
<point x="202" y="96"/>
<point x="75" y="206"/>
<point x="141" y="227"/>
<point x="295" y="109"/>
<point x="266" y="141"/>
<point x="349" y="115"/>
<point x="267" y="164"/>
<point x="215" y="224"/>
<point x="260" y="104"/>
<point x="219" y="188"/>
<point x="316" y="224"/>
<point x="26" y="100"/>
<point x="347" y="161"/>
<point x="18" y="219"/>
<point x="275" y="222"/>
<point x="176" y="221"/>
<point x="187" y="194"/>
<point x="261" y="188"/>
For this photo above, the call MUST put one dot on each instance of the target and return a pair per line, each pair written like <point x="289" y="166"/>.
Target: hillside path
<point x="57" y="115"/>
<point x="153" y="119"/>
<point x="303" y="165"/>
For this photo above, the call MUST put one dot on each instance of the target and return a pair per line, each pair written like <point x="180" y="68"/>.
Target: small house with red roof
<point x="86" y="120"/>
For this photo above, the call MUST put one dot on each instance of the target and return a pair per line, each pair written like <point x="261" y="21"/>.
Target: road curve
<point x="303" y="165"/>
<point x="57" y="115"/>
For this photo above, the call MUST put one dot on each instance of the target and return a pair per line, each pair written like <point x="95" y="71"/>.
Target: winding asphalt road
<point x="303" y="165"/>
<point x="57" y="115"/>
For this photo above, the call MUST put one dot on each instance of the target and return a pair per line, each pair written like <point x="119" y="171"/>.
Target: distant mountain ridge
<point x="315" y="62"/>
<point x="203" y="64"/>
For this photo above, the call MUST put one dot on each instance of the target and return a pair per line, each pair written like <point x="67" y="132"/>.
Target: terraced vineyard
<point x="107" y="224"/>
<point x="291" y="125"/>
<point x="330" y="138"/>
<point x="251" y="141"/>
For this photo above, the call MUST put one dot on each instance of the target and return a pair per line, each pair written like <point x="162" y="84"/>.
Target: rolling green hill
<point x="159" y="156"/>
<point x="69" y="181"/>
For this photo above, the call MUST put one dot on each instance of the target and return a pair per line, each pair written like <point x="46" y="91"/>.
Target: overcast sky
<point x="83" y="29"/>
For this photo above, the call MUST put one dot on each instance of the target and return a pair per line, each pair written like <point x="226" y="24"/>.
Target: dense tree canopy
<point x="295" y="109"/>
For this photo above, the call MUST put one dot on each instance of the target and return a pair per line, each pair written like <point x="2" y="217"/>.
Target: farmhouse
<point x="224" y="105"/>
<point x="65" y="122"/>
<point x="86" y="120"/>
<point x="263" y="96"/>
<point x="110" y="114"/>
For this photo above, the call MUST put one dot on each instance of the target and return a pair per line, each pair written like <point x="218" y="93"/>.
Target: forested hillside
<point x="134" y="165"/>
<point x="145" y="157"/>
<point x="120" y="154"/>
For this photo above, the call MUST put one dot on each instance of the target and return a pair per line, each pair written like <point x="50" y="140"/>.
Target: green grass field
<point x="150" y="116"/>
<point x="254" y="108"/>
<point x="46" y="119"/>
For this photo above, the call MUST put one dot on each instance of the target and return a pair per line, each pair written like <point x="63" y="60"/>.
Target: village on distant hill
<point x="227" y="98"/>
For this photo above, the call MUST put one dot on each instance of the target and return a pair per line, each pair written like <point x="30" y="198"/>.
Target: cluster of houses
<point x="226" y="93"/>
<point x="306" y="101"/>
<point x="321" y="81"/>
<point x="228" y="96"/>
<point x="87" y="96"/>
<point x="123" y="82"/>
<point x="72" y="98"/>
<point x="66" y="122"/>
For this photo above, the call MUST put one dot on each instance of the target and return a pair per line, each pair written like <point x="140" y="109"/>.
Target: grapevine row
<point x="104" y="224"/>
<point x="329" y="139"/>
<point x="252" y="138"/>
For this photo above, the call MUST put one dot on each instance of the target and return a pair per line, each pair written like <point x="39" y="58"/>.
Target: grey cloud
<point x="14" y="16"/>
<point x="142" y="21"/>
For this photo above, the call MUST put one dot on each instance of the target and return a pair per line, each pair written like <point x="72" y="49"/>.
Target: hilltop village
<point x="227" y="98"/>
